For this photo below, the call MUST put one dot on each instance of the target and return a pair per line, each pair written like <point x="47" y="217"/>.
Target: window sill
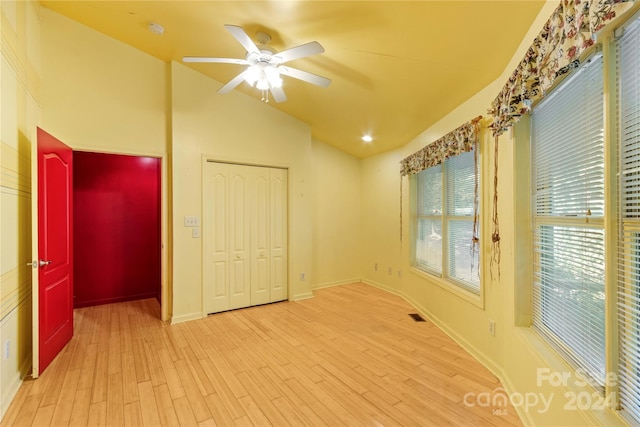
<point x="474" y="299"/>
<point x="556" y="376"/>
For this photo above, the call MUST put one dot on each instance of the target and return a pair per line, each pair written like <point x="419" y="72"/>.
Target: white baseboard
<point x="338" y="283"/>
<point x="300" y="297"/>
<point x="186" y="317"/>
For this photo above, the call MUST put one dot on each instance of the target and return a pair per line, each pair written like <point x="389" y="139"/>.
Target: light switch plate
<point x="191" y="221"/>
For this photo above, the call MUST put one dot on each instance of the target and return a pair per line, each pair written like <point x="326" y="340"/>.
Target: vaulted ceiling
<point x="396" y="67"/>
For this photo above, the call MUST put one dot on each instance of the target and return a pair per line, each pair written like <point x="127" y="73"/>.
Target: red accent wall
<point x="117" y="241"/>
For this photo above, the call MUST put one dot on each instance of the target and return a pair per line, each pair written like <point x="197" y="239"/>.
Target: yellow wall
<point x="336" y="216"/>
<point x="101" y="95"/>
<point x="98" y="94"/>
<point x="20" y="110"/>
<point x="515" y="353"/>
<point x="238" y="128"/>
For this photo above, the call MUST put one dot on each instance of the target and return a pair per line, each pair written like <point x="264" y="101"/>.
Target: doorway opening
<point x="117" y="228"/>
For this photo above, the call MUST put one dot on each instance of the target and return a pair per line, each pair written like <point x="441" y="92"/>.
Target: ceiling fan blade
<point x="243" y="38"/>
<point x="308" y="49"/>
<point x="218" y="60"/>
<point x="232" y="83"/>
<point x="305" y="76"/>
<point x="278" y="94"/>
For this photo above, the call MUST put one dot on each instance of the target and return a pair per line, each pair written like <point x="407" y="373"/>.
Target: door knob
<point x="238" y="256"/>
<point x="33" y="264"/>
<point x="43" y="263"/>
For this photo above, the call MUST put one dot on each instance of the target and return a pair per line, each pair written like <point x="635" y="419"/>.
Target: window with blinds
<point x="567" y="155"/>
<point x="445" y="221"/>
<point x="628" y="297"/>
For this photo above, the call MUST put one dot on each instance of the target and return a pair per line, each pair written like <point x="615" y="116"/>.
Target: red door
<point x="55" y="250"/>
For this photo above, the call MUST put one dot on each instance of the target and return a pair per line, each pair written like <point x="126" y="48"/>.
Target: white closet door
<point x="278" y="242"/>
<point x="260" y="247"/>
<point x="215" y="291"/>
<point x="239" y="236"/>
<point x="244" y="235"/>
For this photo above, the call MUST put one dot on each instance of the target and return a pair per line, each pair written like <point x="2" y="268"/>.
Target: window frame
<point x="585" y="222"/>
<point x="443" y="279"/>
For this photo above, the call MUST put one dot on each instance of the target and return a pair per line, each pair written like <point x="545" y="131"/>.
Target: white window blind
<point x="429" y="226"/>
<point x="628" y="65"/>
<point x="568" y="202"/>
<point x="445" y="219"/>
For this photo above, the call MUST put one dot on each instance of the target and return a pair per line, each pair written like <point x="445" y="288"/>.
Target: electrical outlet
<point x="302" y="277"/>
<point x="7" y="347"/>
<point x="492" y="327"/>
<point x="195" y="232"/>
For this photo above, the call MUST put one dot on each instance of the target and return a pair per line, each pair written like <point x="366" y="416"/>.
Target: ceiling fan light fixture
<point x="263" y="77"/>
<point x="252" y="75"/>
<point x="264" y="68"/>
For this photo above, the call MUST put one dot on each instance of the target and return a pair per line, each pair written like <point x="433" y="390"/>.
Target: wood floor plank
<point x="132" y="416"/>
<point x="184" y="412"/>
<point x="98" y="414"/>
<point x="115" y="400"/>
<point x="218" y="410"/>
<point x="166" y="410"/>
<point x="88" y="366"/>
<point x="100" y="377"/>
<point x="148" y="404"/>
<point x="192" y="391"/>
<point x="80" y="410"/>
<point x="62" y="413"/>
<point x="350" y="356"/>
<point x="129" y="382"/>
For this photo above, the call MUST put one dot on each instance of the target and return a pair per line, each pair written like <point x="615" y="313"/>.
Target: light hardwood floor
<point x="349" y="356"/>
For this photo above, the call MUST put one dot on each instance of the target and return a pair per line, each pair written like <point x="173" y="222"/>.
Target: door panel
<point x="239" y="225"/>
<point x="260" y="236"/>
<point x="278" y="215"/>
<point x="55" y="249"/>
<point x="215" y="291"/>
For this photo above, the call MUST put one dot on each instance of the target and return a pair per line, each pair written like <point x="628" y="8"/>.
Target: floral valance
<point x="452" y="144"/>
<point x="554" y="52"/>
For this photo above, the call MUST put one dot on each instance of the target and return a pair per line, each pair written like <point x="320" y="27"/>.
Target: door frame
<point x="166" y="295"/>
<point x="205" y="158"/>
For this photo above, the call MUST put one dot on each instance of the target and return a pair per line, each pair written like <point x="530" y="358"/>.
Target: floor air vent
<point x="417" y="317"/>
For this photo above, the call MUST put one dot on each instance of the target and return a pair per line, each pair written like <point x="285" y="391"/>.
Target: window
<point x="444" y="223"/>
<point x="628" y="296"/>
<point x="567" y="155"/>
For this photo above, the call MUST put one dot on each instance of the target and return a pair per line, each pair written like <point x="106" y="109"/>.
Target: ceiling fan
<point x="265" y="65"/>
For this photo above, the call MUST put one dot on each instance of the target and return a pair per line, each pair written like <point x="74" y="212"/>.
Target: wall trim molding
<point x="187" y="317"/>
<point x="337" y="283"/>
<point x="300" y="297"/>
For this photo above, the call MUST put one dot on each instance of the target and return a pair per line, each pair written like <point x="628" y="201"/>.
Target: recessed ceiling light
<point x="367" y="138"/>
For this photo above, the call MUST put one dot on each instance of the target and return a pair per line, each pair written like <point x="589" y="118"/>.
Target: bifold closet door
<point x="245" y="236"/>
<point x="226" y="238"/>
<point x="268" y="235"/>
<point x="278" y="203"/>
